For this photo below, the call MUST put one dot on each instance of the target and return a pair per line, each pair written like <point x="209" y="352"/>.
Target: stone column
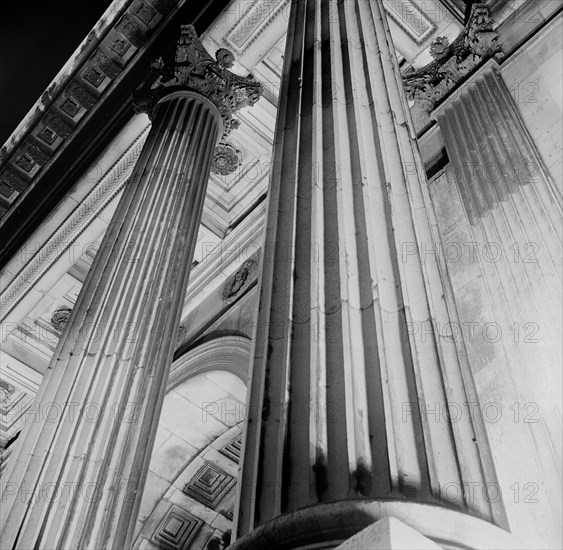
<point x="514" y="219"/>
<point x="351" y="383"/>
<point x="77" y="474"/>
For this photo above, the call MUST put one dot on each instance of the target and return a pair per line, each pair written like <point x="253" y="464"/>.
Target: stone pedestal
<point x="351" y="384"/>
<point x="331" y="525"/>
<point x="77" y="473"/>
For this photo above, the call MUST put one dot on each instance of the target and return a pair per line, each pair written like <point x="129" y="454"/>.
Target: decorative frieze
<point x="254" y="22"/>
<point x="408" y="15"/>
<point x="262" y="13"/>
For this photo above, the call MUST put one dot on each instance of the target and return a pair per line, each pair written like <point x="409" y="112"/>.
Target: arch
<point x="202" y="412"/>
<point x="229" y="353"/>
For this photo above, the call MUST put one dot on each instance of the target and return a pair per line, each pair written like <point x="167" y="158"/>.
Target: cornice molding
<point x="124" y="30"/>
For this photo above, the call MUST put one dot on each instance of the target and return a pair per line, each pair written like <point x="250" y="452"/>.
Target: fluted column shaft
<point x="341" y="381"/>
<point x="513" y="208"/>
<point x="75" y="481"/>
<point x="116" y="351"/>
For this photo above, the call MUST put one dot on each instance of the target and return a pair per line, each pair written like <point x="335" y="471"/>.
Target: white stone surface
<point x="534" y="75"/>
<point x="388" y="534"/>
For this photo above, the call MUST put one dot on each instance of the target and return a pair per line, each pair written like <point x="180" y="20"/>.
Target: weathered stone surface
<point x="498" y="209"/>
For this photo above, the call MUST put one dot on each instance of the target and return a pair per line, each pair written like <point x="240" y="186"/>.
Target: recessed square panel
<point x="232" y="449"/>
<point x="176" y="529"/>
<point x="209" y="485"/>
<point x="71" y="107"/>
<point x="25" y="162"/>
<point x="120" y="46"/>
<point x="145" y="13"/>
<point x="94" y="76"/>
<point x="47" y="135"/>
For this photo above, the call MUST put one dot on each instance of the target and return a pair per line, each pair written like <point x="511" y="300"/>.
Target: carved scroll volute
<point x="194" y="69"/>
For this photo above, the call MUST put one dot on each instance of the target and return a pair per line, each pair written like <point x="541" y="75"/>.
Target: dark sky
<point x="36" y="40"/>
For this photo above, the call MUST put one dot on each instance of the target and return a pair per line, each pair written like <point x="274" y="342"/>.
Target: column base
<point x="388" y="534"/>
<point x="325" y="526"/>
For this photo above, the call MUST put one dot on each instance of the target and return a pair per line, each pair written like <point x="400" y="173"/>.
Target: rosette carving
<point x="236" y="284"/>
<point x="195" y="69"/>
<point x="226" y="159"/>
<point x="60" y="318"/>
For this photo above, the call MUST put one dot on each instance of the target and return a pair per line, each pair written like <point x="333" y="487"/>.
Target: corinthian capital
<point x="453" y="63"/>
<point x="195" y="69"/>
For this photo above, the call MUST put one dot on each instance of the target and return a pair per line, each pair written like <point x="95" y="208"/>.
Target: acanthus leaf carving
<point x="454" y="62"/>
<point x="196" y="70"/>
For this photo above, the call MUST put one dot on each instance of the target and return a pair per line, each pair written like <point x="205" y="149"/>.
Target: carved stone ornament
<point x="240" y="281"/>
<point x="6" y="391"/>
<point x="60" y="318"/>
<point x="453" y="63"/>
<point x="439" y="46"/>
<point x="180" y="335"/>
<point x="194" y="69"/>
<point x="226" y="159"/>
